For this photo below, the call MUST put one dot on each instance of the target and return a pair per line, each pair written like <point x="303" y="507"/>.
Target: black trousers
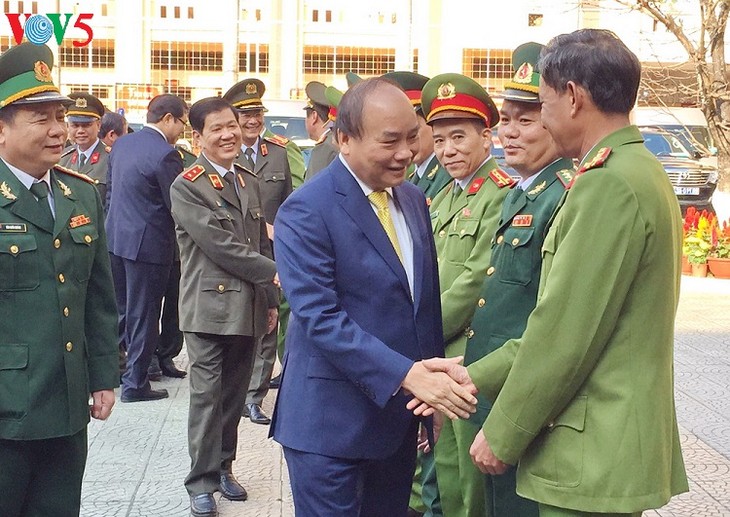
<point x="171" y="338"/>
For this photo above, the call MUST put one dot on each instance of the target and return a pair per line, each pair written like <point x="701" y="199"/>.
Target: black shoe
<point x="170" y="370"/>
<point x="154" y="376"/>
<point x="203" y="505"/>
<point x="231" y="489"/>
<point x="142" y="395"/>
<point x="253" y="411"/>
<point x="275" y="382"/>
<point x="413" y="513"/>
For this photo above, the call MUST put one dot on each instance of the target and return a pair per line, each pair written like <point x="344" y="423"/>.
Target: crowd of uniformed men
<point x="183" y="243"/>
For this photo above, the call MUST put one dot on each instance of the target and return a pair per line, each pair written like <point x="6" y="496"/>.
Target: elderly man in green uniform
<point x="320" y="116"/>
<point x="465" y="215"/>
<point x="59" y="342"/>
<point x="426" y="172"/>
<point x="585" y="398"/>
<point x="509" y="291"/>
<point x="88" y="155"/>
<point x="266" y="157"/>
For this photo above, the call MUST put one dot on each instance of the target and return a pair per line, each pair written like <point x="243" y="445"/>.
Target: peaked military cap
<point x="246" y="95"/>
<point x="334" y="96"/>
<point x="316" y="95"/>
<point x="411" y="82"/>
<point x="25" y="76"/>
<point x="85" y="108"/>
<point x="352" y="79"/>
<point x="457" y="96"/>
<point x="525" y="84"/>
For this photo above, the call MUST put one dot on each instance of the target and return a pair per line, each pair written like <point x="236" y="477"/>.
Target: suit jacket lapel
<point x="243" y="192"/>
<point x="228" y="192"/>
<point x="261" y="159"/>
<point x="19" y="200"/>
<point x="513" y="204"/>
<point x="63" y="199"/>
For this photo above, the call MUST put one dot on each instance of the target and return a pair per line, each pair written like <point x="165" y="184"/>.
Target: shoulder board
<point x="193" y="172"/>
<point x="322" y="138"/>
<point x="476" y="185"/>
<point x="108" y="148"/>
<point x="70" y="149"/>
<point x="565" y="176"/>
<point x="244" y="169"/>
<point x="277" y="139"/>
<point x="501" y="178"/>
<point x="598" y="160"/>
<point x="74" y="174"/>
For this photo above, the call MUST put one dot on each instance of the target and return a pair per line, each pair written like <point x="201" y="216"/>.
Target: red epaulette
<point x="475" y="186"/>
<point x="74" y="174"/>
<point x="565" y="176"/>
<point x="598" y="160"/>
<point x="501" y="178"/>
<point x="279" y="140"/>
<point x="193" y="172"/>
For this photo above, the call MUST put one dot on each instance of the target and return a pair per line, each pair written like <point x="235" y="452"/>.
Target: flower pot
<point x="699" y="270"/>
<point x="719" y="267"/>
<point x="686" y="266"/>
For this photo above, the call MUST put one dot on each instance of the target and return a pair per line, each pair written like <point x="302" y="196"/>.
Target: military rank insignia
<point x="466" y="212"/>
<point x="240" y="180"/>
<point x="538" y="188"/>
<point x="264" y="150"/>
<point x="522" y="220"/>
<point x="279" y="140"/>
<point x="94" y="157"/>
<point x="194" y="172"/>
<point x="475" y="186"/>
<point x="598" y="160"/>
<point x="565" y="176"/>
<point x="6" y="192"/>
<point x="216" y="181"/>
<point x="79" y="220"/>
<point x="501" y="178"/>
<point x="64" y="188"/>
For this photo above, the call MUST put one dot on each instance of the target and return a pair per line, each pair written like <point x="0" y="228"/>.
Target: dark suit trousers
<point x="139" y="288"/>
<point x="324" y="486"/>
<point x="40" y="478"/>
<point x="220" y="370"/>
<point x="171" y="339"/>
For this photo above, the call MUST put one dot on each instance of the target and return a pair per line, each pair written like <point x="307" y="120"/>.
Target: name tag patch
<point x="13" y="228"/>
<point x="522" y="220"/>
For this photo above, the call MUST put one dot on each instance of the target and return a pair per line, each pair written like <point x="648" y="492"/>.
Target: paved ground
<point x="138" y="458"/>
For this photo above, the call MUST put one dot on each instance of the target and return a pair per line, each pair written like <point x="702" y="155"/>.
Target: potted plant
<point x="718" y="260"/>
<point x="698" y="242"/>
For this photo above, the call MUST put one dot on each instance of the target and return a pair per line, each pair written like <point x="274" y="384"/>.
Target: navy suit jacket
<point x="142" y="166"/>
<point x="354" y="330"/>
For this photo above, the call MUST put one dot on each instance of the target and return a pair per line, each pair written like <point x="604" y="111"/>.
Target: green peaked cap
<point x="25" y="76"/>
<point x="525" y="84"/>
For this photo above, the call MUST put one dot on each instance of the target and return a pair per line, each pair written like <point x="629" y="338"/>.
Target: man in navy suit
<point x="357" y="262"/>
<point x="141" y="234"/>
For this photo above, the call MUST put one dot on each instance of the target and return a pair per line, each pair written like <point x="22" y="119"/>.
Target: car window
<point x="291" y="127"/>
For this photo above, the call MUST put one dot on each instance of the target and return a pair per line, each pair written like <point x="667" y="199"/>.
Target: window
<point x="101" y="53"/>
<point x="253" y="58"/>
<point x="21" y="7"/>
<point x="490" y="67"/>
<point x="97" y="90"/>
<point x="315" y="15"/>
<point x="104" y="10"/>
<point x="534" y="20"/>
<point x="340" y="60"/>
<point x="163" y="11"/>
<point x="34" y="7"/>
<point x="328" y="16"/>
<point x="206" y="57"/>
<point x="177" y="11"/>
<point x="191" y="13"/>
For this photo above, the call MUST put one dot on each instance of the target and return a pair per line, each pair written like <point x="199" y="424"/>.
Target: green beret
<point x="25" y="76"/>
<point x="525" y="84"/>
<point x="85" y="108"/>
<point x="457" y="96"/>
<point x="246" y="95"/>
<point x="411" y="82"/>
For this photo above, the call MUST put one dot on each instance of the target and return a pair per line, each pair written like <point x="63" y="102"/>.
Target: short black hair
<point x="350" y="110"/>
<point x="112" y="121"/>
<point x="163" y="104"/>
<point x="597" y="60"/>
<point x="204" y="107"/>
<point x="7" y="114"/>
<point x="323" y="112"/>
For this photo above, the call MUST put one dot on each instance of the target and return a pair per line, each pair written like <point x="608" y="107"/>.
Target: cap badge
<point x="251" y="89"/>
<point x="42" y="72"/>
<point x="446" y="91"/>
<point x="81" y="102"/>
<point x="524" y="74"/>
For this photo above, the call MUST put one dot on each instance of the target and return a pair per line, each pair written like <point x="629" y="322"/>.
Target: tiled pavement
<point x="138" y="458"/>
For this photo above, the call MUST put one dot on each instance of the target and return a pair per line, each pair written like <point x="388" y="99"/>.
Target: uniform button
<point x="69" y="346"/>
<point x="57" y="243"/>
<point x="462" y="232"/>
<point x="481" y="302"/>
<point x="470" y="334"/>
<point x="490" y="271"/>
<point x="221" y="288"/>
<point x="492" y="241"/>
<point x="249" y="240"/>
<point x="515" y="241"/>
<point x="96" y="182"/>
<point x="500" y="239"/>
<point x="442" y="233"/>
<point x="87" y="239"/>
<point x="65" y="311"/>
<point x="14" y="249"/>
<point x="551" y="425"/>
<point x="61" y="278"/>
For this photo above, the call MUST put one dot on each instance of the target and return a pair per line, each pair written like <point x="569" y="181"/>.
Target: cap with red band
<point x="412" y="84"/>
<point x="457" y="96"/>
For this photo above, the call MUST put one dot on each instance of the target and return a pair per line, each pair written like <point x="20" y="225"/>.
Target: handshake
<point x="440" y="384"/>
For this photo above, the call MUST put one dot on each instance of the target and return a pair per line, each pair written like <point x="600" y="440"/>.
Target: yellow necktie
<point x="380" y="200"/>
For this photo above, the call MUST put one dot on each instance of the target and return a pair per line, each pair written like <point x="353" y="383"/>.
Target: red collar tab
<point x="194" y="172"/>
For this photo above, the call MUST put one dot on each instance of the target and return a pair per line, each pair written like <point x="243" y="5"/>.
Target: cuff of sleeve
<point x="489" y="373"/>
<point x="507" y="439"/>
<point x="103" y="372"/>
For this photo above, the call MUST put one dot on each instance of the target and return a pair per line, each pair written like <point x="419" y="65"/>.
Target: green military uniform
<point x="589" y="386"/>
<point x="294" y="156"/>
<point x="325" y="150"/>
<point x="433" y="180"/>
<point x="463" y="224"/>
<point x="188" y="158"/>
<point x="59" y="317"/>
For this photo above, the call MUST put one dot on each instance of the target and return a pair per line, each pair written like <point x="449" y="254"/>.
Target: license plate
<point x="687" y="191"/>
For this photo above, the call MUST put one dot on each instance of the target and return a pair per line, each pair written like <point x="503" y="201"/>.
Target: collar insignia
<point x="539" y="188"/>
<point x="64" y="188"/>
<point x="6" y="192"/>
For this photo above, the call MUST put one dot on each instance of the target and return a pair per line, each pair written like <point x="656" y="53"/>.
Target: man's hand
<point x="439" y="392"/>
<point x="270" y="231"/>
<point x="102" y="405"/>
<point x="452" y="367"/>
<point x="276" y="281"/>
<point x="483" y="457"/>
<point x="438" y="422"/>
<point x="272" y="319"/>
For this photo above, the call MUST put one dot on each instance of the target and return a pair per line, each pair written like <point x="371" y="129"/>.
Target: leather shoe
<point x="154" y="376"/>
<point x="170" y="370"/>
<point x="231" y="489"/>
<point x="203" y="505"/>
<point x="257" y="416"/>
<point x="142" y="395"/>
<point x="275" y="382"/>
<point x="413" y="513"/>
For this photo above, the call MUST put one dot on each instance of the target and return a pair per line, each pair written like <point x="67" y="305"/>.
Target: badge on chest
<point x="522" y="220"/>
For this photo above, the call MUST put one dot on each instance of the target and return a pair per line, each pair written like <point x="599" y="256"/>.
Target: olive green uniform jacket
<point x="96" y="167"/>
<point x="462" y="229"/>
<point x="586" y="396"/>
<point x="225" y="256"/>
<point x="59" y="317"/>
<point x="324" y="151"/>
<point x="294" y="157"/>
<point x="434" y="179"/>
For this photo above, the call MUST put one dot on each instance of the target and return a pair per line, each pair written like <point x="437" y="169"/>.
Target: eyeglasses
<point x="185" y="123"/>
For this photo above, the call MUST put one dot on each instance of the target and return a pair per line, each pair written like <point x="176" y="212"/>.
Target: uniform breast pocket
<point x="220" y="295"/>
<point x="461" y="237"/>
<point x="13" y="381"/>
<point x="18" y="262"/>
<point x="84" y="249"/>
<point x="273" y="176"/>
<point x="518" y="256"/>
<point x="224" y="217"/>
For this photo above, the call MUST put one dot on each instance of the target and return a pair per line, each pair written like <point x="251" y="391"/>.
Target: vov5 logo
<point x="39" y="28"/>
